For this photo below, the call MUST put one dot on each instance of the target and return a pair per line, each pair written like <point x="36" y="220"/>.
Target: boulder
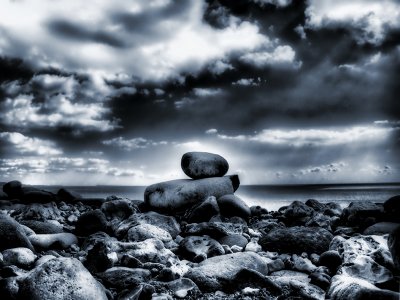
<point x="231" y="206"/>
<point x="320" y="220"/>
<point x="117" y="209"/>
<point x="42" y="226"/>
<point x="258" y="211"/>
<point x="12" y="234"/>
<point x="203" y="211"/>
<point x="68" y="195"/>
<point x="199" y="165"/>
<point x="38" y="196"/>
<point x="143" y="232"/>
<point x="315" y="205"/>
<point x="199" y="248"/>
<point x="298" y="213"/>
<point x="60" y="278"/>
<point x="13" y="189"/>
<point x="297" y="239"/>
<point x="178" y="195"/>
<point x="39" y="212"/>
<point x="330" y="259"/>
<point x="394" y="247"/>
<point x="321" y="277"/>
<point x="302" y="264"/>
<point x="392" y="205"/>
<point x="56" y="240"/>
<point x="123" y="278"/>
<point x="358" y="213"/>
<point x="234" y="239"/>
<point x="344" y="287"/>
<point x="381" y="228"/>
<point x="91" y="222"/>
<point x="20" y="257"/>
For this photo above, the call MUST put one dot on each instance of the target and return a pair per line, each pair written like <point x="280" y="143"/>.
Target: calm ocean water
<point x="269" y="196"/>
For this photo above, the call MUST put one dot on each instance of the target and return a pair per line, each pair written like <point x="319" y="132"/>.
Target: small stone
<point x="234" y="239"/>
<point x="198" y="248"/>
<point x="330" y="259"/>
<point x="236" y="248"/>
<point x="117" y="209"/>
<point x="253" y="246"/>
<point x="21" y="257"/>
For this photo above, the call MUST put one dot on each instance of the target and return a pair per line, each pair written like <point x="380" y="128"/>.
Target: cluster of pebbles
<point x="194" y="239"/>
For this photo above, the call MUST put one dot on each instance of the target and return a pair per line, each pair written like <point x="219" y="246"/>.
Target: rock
<point x="13" y="189"/>
<point x="394" y="247"/>
<point x="320" y="277"/>
<point x="365" y="257"/>
<point x="297" y="240"/>
<point x="218" y="272"/>
<point x="288" y="275"/>
<point x="234" y="239"/>
<point x="68" y="195"/>
<point x="143" y="232"/>
<point x="117" y="209"/>
<point x="38" y="196"/>
<point x="39" y="212"/>
<point x="333" y="209"/>
<point x="122" y="278"/>
<point x="203" y="211"/>
<point x="167" y="223"/>
<point x="12" y="234"/>
<point x="345" y="287"/>
<point x="143" y="291"/>
<point x="315" y="205"/>
<point x="199" y="248"/>
<point x="56" y="240"/>
<point x="330" y="259"/>
<point x="91" y="222"/>
<point x="320" y="220"/>
<point x="391" y="206"/>
<point x="178" y="195"/>
<point x="276" y="265"/>
<point x="214" y="230"/>
<point x="231" y="206"/>
<point x="181" y="287"/>
<point x="42" y="227"/>
<point x="199" y="165"/>
<point x="253" y="246"/>
<point x="266" y="226"/>
<point x="60" y="278"/>
<point x="357" y="213"/>
<point x="381" y="228"/>
<point x="100" y="258"/>
<point x="258" y="211"/>
<point x="302" y="290"/>
<point x="21" y="257"/>
<point x="302" y="264"/>
<point x="298" y="213"/>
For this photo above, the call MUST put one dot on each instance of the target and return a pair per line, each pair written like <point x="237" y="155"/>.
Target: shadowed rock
<point x="12" y="234"/>
<point x="198" y="165"/>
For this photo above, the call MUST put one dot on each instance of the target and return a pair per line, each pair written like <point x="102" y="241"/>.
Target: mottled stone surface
<point x="198" y="165"/>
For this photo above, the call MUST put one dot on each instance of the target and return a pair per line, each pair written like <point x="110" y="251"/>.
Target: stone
<point x="67" y="195"/>
<point x="100" y="258"/>
<point x="231" y="206"/>
<point x="391" y="206"/>
<point x="199" y="248"/>
<point x="143" y="232"/>
<point x="333" y="209"/>
<point x="276" y="265"/>
<point x="357" y="213"/>
<point x="39" y="212"/>
<point x="216" y="272"/>
<point x="91" y="222"/>
<point x="203" y="211"/>
<point x="178" y="195"/>
<point x="59" y="279"/>
<point x="13" y="189"/>
<point x="199" y="165"/>
<point x="143" y="291"/>
<point x="320" y="220"/>
<point x="297" y="239"/>
<point x="214" y="230"/>
<point x="302" y="264"/>
<point x="381" y="228"/>
<point x="320" y="277"/>
<point x="123" y="278"/>
<point x="42" y="226"/>
<point x="344" y="287"/>
<point x="265" y="226"/>
<point x="258" y="211"/>
<point x="365" y="257"/>
<point x="56" y="240"/>
<point x="330" y="259"/>
<point x="38" y="196"/>
<point x="12" y="234"/>
<point x="167" y="223"/>
<point x="179" y="288"/>
<point x="394" y="247"/>
<point x="20" y="257"/>
<point x="298" y="213"/>
<point x="234" y="239"/>
<point x="315" y="205"/>
<point x="117" y="209"/>
<point x="253" y="246"/>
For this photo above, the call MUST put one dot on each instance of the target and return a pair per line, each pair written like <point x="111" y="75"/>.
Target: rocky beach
<point x="194" y="239"/>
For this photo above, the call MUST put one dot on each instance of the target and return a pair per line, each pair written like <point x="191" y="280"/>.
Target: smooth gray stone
<point x="178" y="195"/>
<point x="199" y="165"/>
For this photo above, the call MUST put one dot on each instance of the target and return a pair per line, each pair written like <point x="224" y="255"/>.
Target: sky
<point x="115" y="92"/>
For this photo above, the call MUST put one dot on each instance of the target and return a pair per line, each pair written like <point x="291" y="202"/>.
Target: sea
<point x="271" y="197"/>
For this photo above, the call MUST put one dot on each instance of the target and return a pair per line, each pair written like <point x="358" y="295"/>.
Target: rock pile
<point x="194" y="239"/>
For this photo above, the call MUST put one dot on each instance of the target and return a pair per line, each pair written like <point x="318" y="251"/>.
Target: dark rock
<point x="42" y="227"/>
<point x="330" y="259"/>
<point x="298" y="213"/>
<point x="12" y="234"/>
<point x="122" y="277"/>
<point x="13" y="189"/>
<point x="60" y="278"/>
<point x="266" y="226"/>
<point x="141" y="292"/>
<point x="98" y="258"/>
<point x="333" y="209"/>
<point x="231" y="206"/>
<point x="394" y="247"/>
<point x="68" y="195"/>
<point x="320" y="220"/>
<point x="258" y="211"/>
<point x="214" y="230"/>
<point x="234" y="239"/>
<point x="39" y="212"/>
<point x="392" y="208"/>
<point x="178" y="195"/>
<point x="117" y="209"/>
<point x="320" y="277"/>
<point x="357" y="213"/>
<point x="297" y="240"/>
<point x="199" y="248"/>
<point x="315" y="205"/>
<point x="3" y="196"/>
<point x="381" y="228"/>
<point x="198" y="165"/>
<point x="91" y="222"/>
<point x="203" y="211"/>
<point x="38" y="196"/>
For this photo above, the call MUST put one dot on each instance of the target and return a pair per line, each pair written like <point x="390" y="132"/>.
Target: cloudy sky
<point x="114" y="92"/>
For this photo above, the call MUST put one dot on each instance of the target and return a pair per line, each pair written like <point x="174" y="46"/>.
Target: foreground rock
<point x="233" y="206"/>
<point x="12" y="234"/>
<point x="297" y="239"/>
<point x="60" y="278"/>
<point x="199" y="165"/>
<point x="394" y="247"/>
<point x="178" y="195"/>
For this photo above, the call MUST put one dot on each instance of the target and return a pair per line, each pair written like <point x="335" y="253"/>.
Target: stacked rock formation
<point x="194" y="239"/>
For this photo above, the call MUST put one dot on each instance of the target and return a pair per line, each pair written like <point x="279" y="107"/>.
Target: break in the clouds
<point x="115" y="92"/>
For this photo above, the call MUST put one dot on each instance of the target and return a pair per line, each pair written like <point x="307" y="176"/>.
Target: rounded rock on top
<point x="199" y="165"/>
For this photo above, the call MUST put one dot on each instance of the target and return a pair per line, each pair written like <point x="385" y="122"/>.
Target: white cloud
<point x="211" y="131"/>
<point x="278" y="3"/>
<point x="247" y="82"/>
<point x="220" y="67"/>
<point x="206" y="92"/>
<point x="299" y="29"/>
<point x="280" y="56"/>
<point x="167" y="45"/>
<point x="28" y="145"/>
<point x="132" y="144"/>
<point x="369" y="21"/>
